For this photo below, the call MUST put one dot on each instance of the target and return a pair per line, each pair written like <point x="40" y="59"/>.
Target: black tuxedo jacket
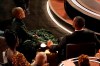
<point x="76" y="37"/>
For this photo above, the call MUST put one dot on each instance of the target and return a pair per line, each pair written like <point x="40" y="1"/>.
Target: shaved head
<point x="18" y="12"/>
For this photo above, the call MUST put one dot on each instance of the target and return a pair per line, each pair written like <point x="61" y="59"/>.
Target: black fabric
<point x="19" y="27"/>
<point x="75" y="50"/>
<point x="29" y="49"/>
<point x="77" y="37"/>
<point x="22" y="3"/>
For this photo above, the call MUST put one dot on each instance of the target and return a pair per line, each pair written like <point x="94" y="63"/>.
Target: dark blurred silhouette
<point x="23" y="4"/>
<point x="79" y="36"/>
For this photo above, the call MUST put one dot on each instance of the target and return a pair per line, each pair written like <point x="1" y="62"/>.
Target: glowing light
<point x="43" y="45"/>
<point x="87" y="10"/>
<point x="56" y="22"/>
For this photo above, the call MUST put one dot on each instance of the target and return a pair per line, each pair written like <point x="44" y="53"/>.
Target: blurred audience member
<point x="19" y="27"/>
<point x="79" y="36"/>
<point x="14" y="57"/>
<point x="83" y="60"/>
<point x="18" y="24"/>
<point x="40" y="60"/>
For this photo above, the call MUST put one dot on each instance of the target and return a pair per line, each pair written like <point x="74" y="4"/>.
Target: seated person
<point x="18" y="25"/>
<point x="80" y="35"/>
<point x="13" y="57"/>
<point x="40" y="60"/>
<point x="83" y="60"/>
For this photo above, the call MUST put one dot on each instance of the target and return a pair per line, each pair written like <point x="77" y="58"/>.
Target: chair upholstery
<point x="74" y="50"/>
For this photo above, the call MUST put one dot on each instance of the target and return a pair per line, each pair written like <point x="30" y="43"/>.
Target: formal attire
<point x="19" y="27"/>
<point x="76" y="38"/>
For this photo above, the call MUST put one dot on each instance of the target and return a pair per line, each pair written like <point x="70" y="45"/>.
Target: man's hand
<point x="49" y="43"/>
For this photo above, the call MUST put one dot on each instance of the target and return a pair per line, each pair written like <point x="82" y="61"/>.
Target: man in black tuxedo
<point x="18" y="25"/>
<point x="79" y="36"/>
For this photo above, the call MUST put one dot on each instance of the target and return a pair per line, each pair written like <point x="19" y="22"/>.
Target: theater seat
<point x="74" y="50"/>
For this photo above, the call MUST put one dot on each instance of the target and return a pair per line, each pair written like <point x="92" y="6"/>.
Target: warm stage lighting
<point x="55" y="21"/>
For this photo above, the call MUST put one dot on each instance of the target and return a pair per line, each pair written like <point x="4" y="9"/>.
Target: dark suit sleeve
<point x="60" y="46"/>
<point x="23" y="33"/>
<point x="26" y="32"/>
<point x="97" y="42"/>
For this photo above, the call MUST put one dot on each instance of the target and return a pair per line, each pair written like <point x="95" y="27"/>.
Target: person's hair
<point x="11" y="38"/>
<point x="16" y="12"/>
<point x="79" y="22"/>
<point x="83" y="60"/>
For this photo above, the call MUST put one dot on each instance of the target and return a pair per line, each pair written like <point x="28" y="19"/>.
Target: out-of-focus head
<point x="18" y="12"/>
<point x="41" y="58"/>
<point x="11" y="39"/>
<point x="83" y="60"/>
<point x="78" y="22"/>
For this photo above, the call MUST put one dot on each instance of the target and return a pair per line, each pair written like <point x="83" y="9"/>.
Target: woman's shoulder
<point x="20" y="59"/>
<point x="18" y="54"/>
